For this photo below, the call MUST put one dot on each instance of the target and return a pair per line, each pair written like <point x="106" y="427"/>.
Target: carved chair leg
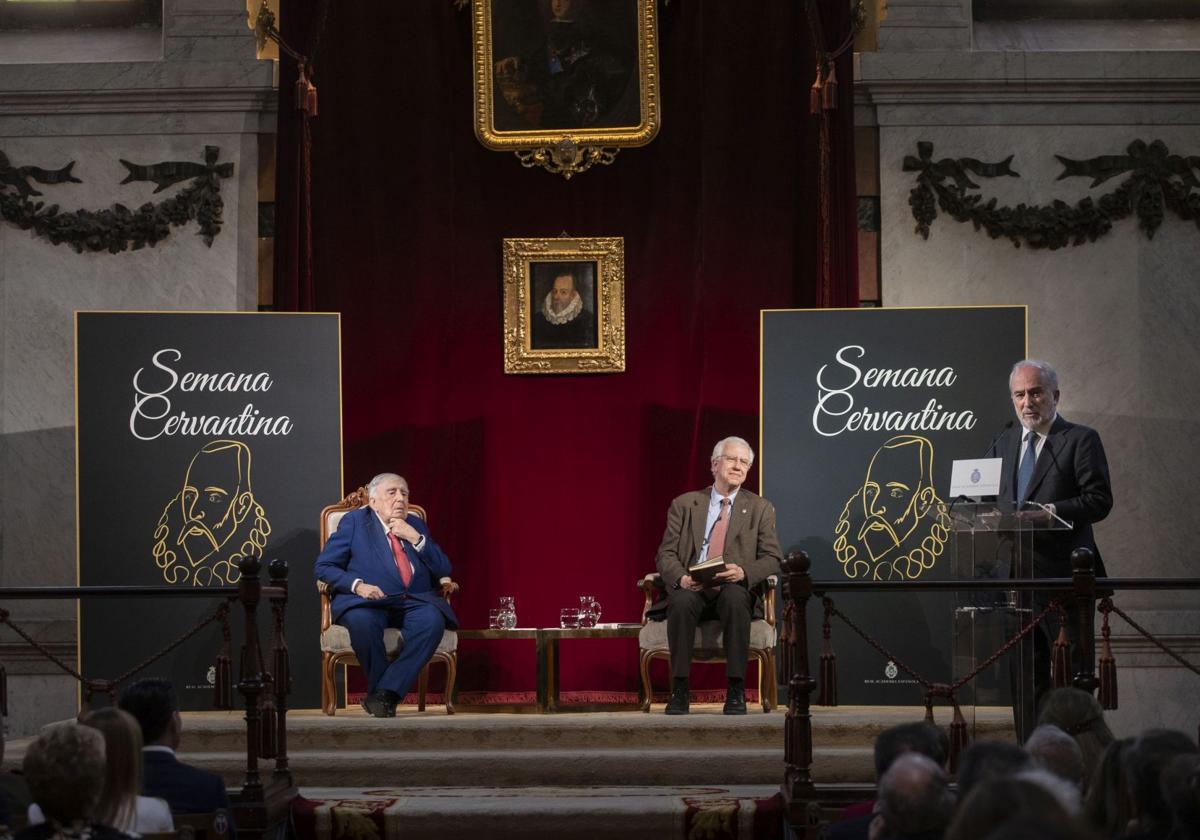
<point x="328" y="689"/>
<point x="645" y="668"/>
<point x="451" y="680"/>
<point x="422" y="685"/>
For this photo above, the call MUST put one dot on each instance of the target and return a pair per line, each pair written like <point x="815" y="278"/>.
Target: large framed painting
<point x="564" y="305"/>
<point x="565" y="83"/>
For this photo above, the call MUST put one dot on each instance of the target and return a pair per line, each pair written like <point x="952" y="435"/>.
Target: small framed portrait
<point x="558" y="74"/>
<point x="564" y="305"/>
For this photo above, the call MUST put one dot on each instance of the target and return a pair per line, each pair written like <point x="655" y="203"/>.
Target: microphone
<point x="1003" y="430"/>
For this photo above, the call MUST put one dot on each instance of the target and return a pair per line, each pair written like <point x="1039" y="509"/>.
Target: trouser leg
<point x="735" y="605"/>
<point x="683" y="614"/>
<point x="366" y="625"/>
<point x="421" y="625"/>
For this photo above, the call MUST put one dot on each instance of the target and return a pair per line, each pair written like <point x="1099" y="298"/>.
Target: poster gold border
<point x="75" y="313"/>
<point x="762" y="317"/>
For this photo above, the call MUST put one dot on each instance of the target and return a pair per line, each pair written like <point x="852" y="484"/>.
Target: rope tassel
<point x="827" y="696"/>
<point x="223" y="684"/>
<point x="1108" y="665"/>
<point x="960" y="739"/>
<point x="1061" y="668"/>
<point x="829" y="91"/>
<point x="814" y="94"/>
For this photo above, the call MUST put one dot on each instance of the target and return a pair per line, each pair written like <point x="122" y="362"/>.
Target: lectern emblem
<point x="975" y="476"/>
<point x="892" y="527"/>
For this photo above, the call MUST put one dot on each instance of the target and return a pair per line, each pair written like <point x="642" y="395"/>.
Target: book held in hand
<point x="706" y="571"/>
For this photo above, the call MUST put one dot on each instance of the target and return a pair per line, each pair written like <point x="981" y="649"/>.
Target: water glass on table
<point x="568" y="617"/>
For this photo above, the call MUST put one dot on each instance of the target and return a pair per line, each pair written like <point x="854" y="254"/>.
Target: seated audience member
<point x="992" y="804"/>
<point x="915" y="801"/>
<point x="65" y="768"/>
<point x="985" y="761"/>
<point x="1145" y="761"/>
<point x="120" y="805"/>
<point x="187" y="790"/>
<point x="14" y="791"/>
<point x="919" y="737"/>
<point x="1058" y="752"/>
<point x="1108" y="808"/>
<point x="1181" y="791"/>
<point x="1034" y="828"/>
<point x="1080" y="715"/>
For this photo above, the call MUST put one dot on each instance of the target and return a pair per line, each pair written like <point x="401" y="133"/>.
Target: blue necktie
<point x="1026" y="471"/>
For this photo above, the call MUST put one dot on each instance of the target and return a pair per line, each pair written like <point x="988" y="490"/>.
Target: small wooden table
<point x="546" y="640"/>
<point x="548" y="658"/>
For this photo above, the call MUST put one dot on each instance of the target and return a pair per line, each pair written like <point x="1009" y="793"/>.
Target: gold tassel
<point x="959" y="737"/>
<point x="1061" y="656"/>
<point x="829" y="92"/>
<point x="1108" y="668"/>
<point x="223" y="684"/>
<point x="814" y="94"/>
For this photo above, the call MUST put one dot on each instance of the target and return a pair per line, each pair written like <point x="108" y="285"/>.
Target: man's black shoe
<point x="735" y="699"/>
<point x="376" y="706"/>
<point x="390" y="698"/>
<point x="678" y="704"/>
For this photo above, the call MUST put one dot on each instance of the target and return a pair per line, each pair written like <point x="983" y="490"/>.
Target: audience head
<point x="994" y="803"/>
<point x="1058" y="752"/>
<point x="1064" y="792"/>
<point x="152" y="703"/>
<point x="65" y="768"/>
<point x="1108" y="806"/>
<point x="1181" y="791"/>
<point x="1080" y="715"/>
<point x="919" y="737"/>
<point x="123" y="779"/>
<point x="1144" y="762"/>
<point x="987" y="760"/>
<point x="914" y="799"/>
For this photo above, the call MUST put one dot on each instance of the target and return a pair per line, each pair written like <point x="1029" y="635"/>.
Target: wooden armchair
<point x="335" y="639"/>
<point x="710" y="646"/>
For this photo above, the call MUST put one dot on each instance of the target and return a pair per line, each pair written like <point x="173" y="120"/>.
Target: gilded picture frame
<point x="565" y="83"/>
<point x="564" y="305"/>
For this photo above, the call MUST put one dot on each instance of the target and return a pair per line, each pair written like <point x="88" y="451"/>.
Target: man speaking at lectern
<point x="1059" y="464"/>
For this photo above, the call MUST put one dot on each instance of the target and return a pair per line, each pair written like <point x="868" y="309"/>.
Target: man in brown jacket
<point x="727" y="521"/>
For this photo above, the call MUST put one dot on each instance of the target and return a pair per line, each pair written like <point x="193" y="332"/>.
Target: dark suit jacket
<point x="187" y="789"/>
<point x="750" y="541"/>
<point x="360" y="549"/>
<point x="1072" y="474"/>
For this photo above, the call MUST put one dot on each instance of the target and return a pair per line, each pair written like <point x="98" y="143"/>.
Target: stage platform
<point x="602" y="774"/>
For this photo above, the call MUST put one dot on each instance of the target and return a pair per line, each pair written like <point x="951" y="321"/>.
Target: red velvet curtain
<point x="548" y="487"/>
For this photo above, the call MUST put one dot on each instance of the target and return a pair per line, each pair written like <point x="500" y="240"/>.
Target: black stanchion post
<point x="1083" y="574"/>
<point x="798" y="789"/>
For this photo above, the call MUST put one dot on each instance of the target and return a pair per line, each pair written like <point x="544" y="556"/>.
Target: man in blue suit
<point x="187" y="789"/>
<point x="384" y="570"/>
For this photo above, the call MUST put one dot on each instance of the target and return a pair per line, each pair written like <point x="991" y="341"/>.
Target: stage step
<point x="519" y="750"/>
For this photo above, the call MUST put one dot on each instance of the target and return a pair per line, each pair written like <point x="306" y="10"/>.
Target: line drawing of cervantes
<point x="892" y="526"/>
<point x="213" y="522"/>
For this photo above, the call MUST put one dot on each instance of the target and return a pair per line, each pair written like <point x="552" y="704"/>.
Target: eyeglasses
<point x="733" y="459"/>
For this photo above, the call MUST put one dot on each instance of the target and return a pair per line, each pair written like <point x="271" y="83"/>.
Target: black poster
<point x="202" y="438"/>
<point x="863" y="412"/>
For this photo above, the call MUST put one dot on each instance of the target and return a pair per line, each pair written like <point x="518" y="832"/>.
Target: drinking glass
<point x="568" y="617"/>
<point x="493" y="619"/>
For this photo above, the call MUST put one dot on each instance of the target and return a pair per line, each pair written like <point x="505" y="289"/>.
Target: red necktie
<point x="402" y="564"/>
<point x="716" y="541"/>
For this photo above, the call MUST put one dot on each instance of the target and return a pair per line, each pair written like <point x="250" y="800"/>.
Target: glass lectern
<point x="994" y="541"/>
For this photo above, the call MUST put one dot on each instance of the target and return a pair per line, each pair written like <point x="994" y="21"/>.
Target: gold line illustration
<point x="892" y="526"/>
<point x="213" y="522"/>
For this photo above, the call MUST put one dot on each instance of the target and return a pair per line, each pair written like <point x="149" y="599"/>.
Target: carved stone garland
<point x="118" y="228"/>
<point x="1156" y="178"/>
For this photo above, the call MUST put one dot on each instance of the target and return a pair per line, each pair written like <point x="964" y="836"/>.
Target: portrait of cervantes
<point x="562" y="301"/>
<point x="564" y="64"/>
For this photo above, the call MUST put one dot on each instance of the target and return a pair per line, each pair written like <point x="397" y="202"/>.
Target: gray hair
<point x="1056" y="751"/>
<point x="1046" y="373"/>
<point x="915" y="797"/>
<point x="737" y="441"/>
<point x="65" y="769"/>
<point x="1064" y="793"/>
<point x="374" y="483"/>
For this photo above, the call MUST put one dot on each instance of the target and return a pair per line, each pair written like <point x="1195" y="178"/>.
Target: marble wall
<point x="204" y="87"/>
<point x="1117" y="317"/>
